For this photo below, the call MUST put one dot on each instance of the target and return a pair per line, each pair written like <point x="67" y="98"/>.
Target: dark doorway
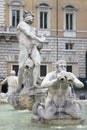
<point x="4" y="88"/>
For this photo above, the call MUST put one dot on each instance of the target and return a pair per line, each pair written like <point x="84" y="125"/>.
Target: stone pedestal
<point x="63" y="122"/>
<point x="59" y="119"/>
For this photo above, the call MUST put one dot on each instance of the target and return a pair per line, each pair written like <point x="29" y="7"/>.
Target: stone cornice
<point x="16" y="3"/>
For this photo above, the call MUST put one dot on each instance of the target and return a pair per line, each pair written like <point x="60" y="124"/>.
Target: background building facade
<point x="65" y="25"/>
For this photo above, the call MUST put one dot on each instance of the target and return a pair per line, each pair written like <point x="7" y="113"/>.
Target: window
<point x="43" y="70"/>
<point x="15" y="68"/>
<point x="69" y="21"/>
<point x="69" y="17"/>
<point x="43" y="18"/>
<point x="15" y="12"/>
<point x="15" y="17"/>
<point x="69" y="68"/>
<point x="44" y="15"/>
<point x="69" y="46"/>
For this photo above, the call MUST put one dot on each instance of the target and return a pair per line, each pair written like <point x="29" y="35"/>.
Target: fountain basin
<point x="11" y="119"/>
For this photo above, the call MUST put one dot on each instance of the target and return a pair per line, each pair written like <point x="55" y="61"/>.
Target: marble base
<point x="63" y="122"/>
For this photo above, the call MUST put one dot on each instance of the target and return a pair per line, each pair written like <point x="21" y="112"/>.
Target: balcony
<point x="8" y="33"/>
<point x="6" y="29"/>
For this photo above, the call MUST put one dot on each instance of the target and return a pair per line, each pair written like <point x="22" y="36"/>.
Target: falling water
<point x="60" y="99"/>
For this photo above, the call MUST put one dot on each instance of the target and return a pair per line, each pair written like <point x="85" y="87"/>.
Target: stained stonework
<point x="8" y="50"/>
<point x="76" y="56"/>
<point x="9" y="53"/>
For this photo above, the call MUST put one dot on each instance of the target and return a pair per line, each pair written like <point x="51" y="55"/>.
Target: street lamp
<point x="57" y="26"/>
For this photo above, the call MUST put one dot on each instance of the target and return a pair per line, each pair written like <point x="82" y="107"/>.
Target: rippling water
<point x="11" y="119"/>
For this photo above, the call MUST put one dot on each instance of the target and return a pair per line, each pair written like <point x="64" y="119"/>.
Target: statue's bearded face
<point x="29" y="18"/>
<point x="61" y="66"/>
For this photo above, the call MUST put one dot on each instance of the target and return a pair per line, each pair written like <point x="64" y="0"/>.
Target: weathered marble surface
<point x="29" y="62"/>
<point x="60" y="103"/>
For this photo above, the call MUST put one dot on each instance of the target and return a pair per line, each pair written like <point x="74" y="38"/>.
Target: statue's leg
<point x="47" y="112"/>
<point x="22" y="58"/>
<point x="36" y="59"/>
<point x="73" y="110"/>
